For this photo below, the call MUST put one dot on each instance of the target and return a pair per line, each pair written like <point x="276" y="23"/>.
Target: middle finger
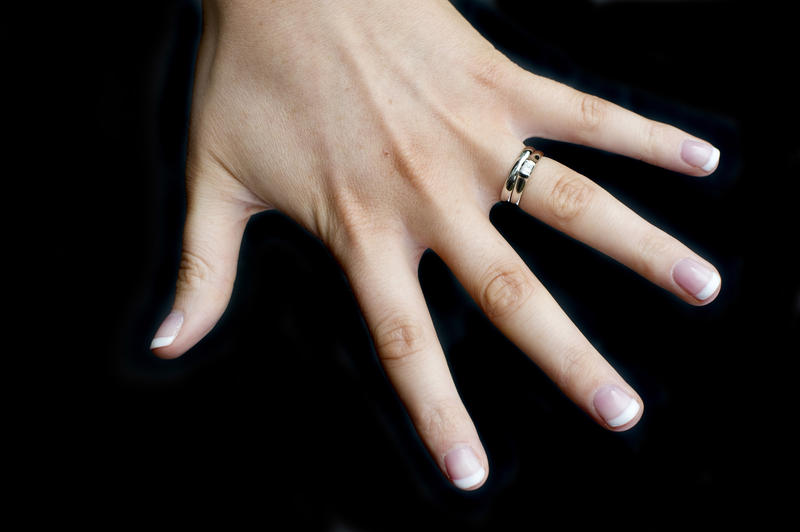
<point x="517" y="303"/>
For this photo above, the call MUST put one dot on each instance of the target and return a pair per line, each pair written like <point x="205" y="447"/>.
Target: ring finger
<point x="575" y="205"/>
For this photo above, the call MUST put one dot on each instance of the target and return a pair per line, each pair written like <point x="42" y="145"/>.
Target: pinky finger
<point x="553" y="110"/>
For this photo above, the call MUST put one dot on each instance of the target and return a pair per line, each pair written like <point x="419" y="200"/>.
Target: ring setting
<point x="519" y="174"/>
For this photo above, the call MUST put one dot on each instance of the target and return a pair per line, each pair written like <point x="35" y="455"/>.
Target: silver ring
<point x="519" y="174"/>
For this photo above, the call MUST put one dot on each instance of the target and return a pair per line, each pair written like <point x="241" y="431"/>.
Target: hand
<point x="387" y="128"/>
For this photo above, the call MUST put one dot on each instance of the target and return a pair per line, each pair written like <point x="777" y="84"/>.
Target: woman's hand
<point x="386" y="128"/>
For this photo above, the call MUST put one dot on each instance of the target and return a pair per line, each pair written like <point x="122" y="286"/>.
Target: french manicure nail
<point x="169" y="330"/>
<point x="464" y="468"/>
<point x="695" y="278"/>
<point x="699" y="154"/>
<point x="615" y="406"/>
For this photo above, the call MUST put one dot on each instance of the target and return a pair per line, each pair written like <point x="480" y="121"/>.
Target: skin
<point x="387" y="128"/>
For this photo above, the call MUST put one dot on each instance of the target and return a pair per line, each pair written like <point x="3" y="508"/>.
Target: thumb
<point x="212" y="236"/>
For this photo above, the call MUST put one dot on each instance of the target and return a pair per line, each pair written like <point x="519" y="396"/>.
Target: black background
<point x="282" y="413"/>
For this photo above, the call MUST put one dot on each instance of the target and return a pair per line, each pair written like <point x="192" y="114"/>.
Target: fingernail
<point x="615" y="406"/>
<point x="695" y="278"/>
<point x="464" y="468"/>
<point x="699" y="154"/>
<point x="169" y="330"/>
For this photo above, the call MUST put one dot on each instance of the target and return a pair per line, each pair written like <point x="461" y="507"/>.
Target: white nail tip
<point x="629" y="413"/>
<point x="713" y="160"/>
<point x="710" y="287"/>
<point x="470" y="481"/>
<point x="162" y="342"/>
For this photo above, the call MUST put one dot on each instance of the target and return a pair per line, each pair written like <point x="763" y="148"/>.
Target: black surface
<point x="282" y="413"/>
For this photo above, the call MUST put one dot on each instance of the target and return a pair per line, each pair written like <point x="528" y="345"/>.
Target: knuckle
<point x="592" y="112"/>
<point x="344" y="219"/>
<point x="650" y="140"/>
<point x="507" y="288"/>
<point x="417" y="167"/>
<point x="440" y="420"/>
<point x="492" y="72"/>
<point x="398" y="339"/>
<point x="575" y="367"/>
<point x="193" y="269"/>
<point x="650" y="248"/>
<point x="412" y="161"/>
<point x="569" y="197"/>
<point x="347" y="224"/>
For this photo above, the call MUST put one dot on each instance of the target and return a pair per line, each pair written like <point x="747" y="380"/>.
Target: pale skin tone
<point x="388" y="128"/>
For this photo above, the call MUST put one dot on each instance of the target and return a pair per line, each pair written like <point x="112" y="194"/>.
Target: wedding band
<point x="519" y="174"/>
